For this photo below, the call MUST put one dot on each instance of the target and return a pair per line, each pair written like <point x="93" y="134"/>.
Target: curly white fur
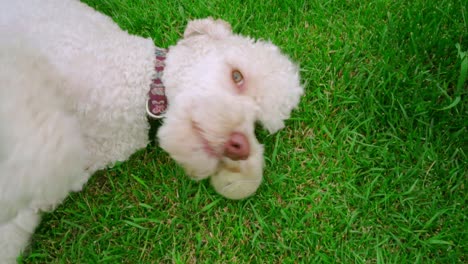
<point x="73" y="88"/>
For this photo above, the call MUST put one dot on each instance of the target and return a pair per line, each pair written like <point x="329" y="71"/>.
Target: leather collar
<point x="157" y="101"/>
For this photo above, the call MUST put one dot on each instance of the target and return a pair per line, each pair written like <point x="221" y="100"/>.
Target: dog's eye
<point x="237" y="77"/>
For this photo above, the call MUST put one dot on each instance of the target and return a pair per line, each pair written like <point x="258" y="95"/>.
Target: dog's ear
<point x="208" y="26"/>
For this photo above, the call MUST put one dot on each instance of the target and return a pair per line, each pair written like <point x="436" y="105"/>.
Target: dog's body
<point x="73" y="95"/>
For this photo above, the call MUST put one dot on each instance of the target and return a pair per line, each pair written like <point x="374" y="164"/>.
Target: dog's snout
<point x="237" y="147"/>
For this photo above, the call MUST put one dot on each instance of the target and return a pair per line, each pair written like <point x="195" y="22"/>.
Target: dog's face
<point x="218" y="85"/>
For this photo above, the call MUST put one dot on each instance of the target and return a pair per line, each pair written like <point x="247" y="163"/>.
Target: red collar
<point x="157" y="102"/>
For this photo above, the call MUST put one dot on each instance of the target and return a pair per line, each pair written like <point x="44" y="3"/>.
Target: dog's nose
<point x="237" y="147"/>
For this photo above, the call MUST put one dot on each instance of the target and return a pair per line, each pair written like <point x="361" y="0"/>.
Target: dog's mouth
<point x="208" y="148"/>
<point x="235" y="147"/>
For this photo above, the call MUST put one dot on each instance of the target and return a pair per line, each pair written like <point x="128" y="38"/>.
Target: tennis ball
<point x="238" y="180"/>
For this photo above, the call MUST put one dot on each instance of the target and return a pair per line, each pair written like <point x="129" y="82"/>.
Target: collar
<point x="157" y="101"/>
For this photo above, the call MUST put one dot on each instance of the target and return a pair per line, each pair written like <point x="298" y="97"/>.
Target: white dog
<point x="75" y="92"/>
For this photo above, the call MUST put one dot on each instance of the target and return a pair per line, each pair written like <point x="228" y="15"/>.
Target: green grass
<point x="372" y="167"/>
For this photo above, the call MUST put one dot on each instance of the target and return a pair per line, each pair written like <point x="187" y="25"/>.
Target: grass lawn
<point x="371" y="168"/>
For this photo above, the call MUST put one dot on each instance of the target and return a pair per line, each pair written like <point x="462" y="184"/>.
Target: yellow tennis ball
<point x="234" y="185"/>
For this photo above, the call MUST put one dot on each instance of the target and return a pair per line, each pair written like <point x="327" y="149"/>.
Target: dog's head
<point x="218" y="85"/>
